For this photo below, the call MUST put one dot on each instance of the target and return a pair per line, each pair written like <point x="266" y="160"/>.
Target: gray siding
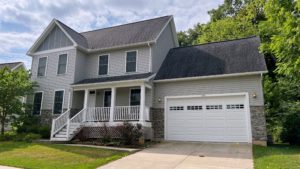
<point x="55" y="39"/>
<point x="160" y="50"/>
<point x="80" y="66"/>
<point x="248" y="84"/>
<point x="52" y="81"/>
<point x="117" y="62"/>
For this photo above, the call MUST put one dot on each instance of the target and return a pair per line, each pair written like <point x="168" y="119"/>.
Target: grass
<point x="276" y="157"/>
<point x="49" y="156"/>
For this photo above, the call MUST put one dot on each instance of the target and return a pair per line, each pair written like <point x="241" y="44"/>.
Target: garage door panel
<point x="207" y="119"/>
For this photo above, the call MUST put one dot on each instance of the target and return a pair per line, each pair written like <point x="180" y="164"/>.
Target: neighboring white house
<point x="137" y="72"/>
<point x="14" y="66"/>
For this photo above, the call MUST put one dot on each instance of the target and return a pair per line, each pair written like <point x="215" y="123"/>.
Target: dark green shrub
<point x="130" y="133"/>
<point x="291" y="129"/>
<point x="8" y="136"/>
<point x="106" y="135"/>
<point x="31" y="137"/>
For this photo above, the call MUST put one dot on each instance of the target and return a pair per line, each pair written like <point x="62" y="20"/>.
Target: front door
<point x="107" y="98"/>
<point x="92" y="99"/>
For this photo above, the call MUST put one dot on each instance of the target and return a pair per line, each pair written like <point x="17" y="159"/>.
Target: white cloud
<point x="83" y="15"/>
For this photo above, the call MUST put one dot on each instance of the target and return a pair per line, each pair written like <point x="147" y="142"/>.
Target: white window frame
<point x="42" y="100"/>
<point x="63" y="101"/>
<point x="136" y="61"/>
<point x="37" y="71"/>
<point x="108" y="56"/>
<point x="134" y="88"/>
<point x="66" y="64"/>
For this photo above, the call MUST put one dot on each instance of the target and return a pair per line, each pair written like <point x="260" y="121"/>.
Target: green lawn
<point x="276" y="157"/>
<point x="48" y="156"/>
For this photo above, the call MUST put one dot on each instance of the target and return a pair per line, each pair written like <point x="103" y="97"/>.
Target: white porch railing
<point x="126" y="113"/>
<point x="94" y="114"/>
<point x="59" y="123"/>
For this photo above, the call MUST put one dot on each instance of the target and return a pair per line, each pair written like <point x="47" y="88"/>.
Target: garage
<point x="215" y="118"/>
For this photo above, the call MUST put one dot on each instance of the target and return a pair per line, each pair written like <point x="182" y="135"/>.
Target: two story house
<point x="138" y="73"/>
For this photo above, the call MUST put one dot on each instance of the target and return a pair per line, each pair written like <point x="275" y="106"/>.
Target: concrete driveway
<point x="188" y="155"/>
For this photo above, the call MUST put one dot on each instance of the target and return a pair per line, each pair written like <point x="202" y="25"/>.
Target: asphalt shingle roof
<point x="115" y="78"/>
<point x="9" y="65"/>
<point x="218" y="58"/>
<point x="132" y="33"/>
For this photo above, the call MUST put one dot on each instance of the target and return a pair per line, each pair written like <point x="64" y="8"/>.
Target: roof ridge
<point x="208" y="43"/>
<point x="60" y="22"/>
<point x="126" y="24"/>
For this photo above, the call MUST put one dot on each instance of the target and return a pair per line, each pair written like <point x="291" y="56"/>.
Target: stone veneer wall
<point x="258" y="123"/>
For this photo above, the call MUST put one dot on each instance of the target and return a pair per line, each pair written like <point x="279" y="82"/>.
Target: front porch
<point x="100" y="105"/>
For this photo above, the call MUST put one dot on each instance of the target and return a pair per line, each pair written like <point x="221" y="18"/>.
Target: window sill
<point x="61" y="74"/>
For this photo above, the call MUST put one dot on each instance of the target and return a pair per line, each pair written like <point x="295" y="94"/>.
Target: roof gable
<point x="55" y="39"/>
<point x="13" y="65"/>
<point x="219" y="58"/>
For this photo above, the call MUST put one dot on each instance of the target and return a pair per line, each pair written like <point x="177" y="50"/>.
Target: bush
<point x="130" y="133"/>
<point x="291" y="129"/>
<point x="8" y="136"/>
<point x="31" y="137"/>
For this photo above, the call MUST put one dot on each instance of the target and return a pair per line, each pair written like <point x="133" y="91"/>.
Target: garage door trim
<point x="247" y="106"/>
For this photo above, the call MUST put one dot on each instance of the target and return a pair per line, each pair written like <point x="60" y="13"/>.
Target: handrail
<point x="59" y="122"/>
<point x="126" y="113"/>
<point x="97" y="114"/>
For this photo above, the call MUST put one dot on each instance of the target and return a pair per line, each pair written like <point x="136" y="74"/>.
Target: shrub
<point x="106" y="135"/>
<point x="8" y="136"/>
<point x="291" y="129"/>
<point x="31" y="137"/>
<point x="130" y="133"/>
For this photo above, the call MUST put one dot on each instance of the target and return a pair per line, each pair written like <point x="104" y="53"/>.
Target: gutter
<point x="210" y="77"/>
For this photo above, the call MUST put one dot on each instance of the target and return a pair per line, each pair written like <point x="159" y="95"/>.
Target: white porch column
<point x="86" y="98"/>
<point x="142" y="104"/>
<point x="112" y="104"/>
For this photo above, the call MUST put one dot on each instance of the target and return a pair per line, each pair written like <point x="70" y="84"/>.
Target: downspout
<point x="150" y="57"/>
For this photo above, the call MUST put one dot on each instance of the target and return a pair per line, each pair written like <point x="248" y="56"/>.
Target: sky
<point x="22" y="21"/>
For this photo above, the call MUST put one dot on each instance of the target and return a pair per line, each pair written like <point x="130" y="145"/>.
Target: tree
<point x="13" y="86"/>
<point x="281" y="33"/>
<point x="189" y="37"/>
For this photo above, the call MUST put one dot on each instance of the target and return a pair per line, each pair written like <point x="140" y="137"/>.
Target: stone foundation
<point x="101" y="132"/>
<point x="158" y="123"/>
<point x="258" y="123"/>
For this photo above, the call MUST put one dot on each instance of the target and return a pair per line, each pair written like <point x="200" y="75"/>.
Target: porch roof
<point x="114" y="78"/>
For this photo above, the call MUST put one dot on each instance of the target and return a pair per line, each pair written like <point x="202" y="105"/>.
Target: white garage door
<point x="217" y="119"/>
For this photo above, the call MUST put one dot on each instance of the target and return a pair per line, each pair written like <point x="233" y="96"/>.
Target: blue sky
<point x="22" y="21"/>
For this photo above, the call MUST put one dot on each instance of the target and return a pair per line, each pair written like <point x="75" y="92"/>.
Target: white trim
<point x="20" y="64"/>
<point x="150" y="58"/>
<point x="104" y="97"/>
<point x="58" y="24"/>
<point x="108" y="56"/>
<point x="210" y="76"/>
<point x="63" y="53"/>
<point x="166" y="25"/>
<point x="41" y="101"/>
<point x="53" y="50"/>
<point x="63" y="101"/>
<point x="136" y="61"/>
<point x="46" y="67"/>
<point x="247" y="107"/>
<point x="115" y="47"/>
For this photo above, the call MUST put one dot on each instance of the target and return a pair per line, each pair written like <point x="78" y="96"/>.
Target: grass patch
<point x="49" y="156"/>
<point x="276" y="157"/>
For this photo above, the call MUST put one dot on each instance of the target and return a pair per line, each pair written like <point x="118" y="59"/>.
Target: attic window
<point x="131" y="61"/>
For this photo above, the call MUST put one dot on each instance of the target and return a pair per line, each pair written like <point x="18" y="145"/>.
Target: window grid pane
<point x="135" y="97"/>
<point x="103" y="65"/>
<point x="37" y="103"/>
<point x="62" y="64"/>
<point x="58" y="102"/>
<point x="42" y="66"/>
<point x="131" y="61"/>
